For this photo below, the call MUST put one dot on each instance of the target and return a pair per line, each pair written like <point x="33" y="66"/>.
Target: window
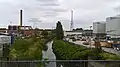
<point x="14" y="27"/>
<point x="9" y="28"/>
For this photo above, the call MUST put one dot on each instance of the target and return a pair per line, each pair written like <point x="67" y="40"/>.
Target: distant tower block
<point x="21" y="17"/>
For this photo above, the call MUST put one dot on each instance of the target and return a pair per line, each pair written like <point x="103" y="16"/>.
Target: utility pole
<point x="90" y="37"/>
<point x="90" y="31"/>
<point x="71" y="25"/>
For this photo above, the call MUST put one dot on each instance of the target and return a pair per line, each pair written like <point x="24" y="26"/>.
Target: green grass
<point x="68" y="51"/>
<point x="108" y="56"/>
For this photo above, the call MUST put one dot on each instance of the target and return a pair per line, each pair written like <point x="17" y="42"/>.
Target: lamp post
<point x="91" y="31"/>
<point x="90" y="36"/>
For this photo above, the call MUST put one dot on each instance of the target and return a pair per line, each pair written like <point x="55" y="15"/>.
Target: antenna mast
<point x="71" y="25"/>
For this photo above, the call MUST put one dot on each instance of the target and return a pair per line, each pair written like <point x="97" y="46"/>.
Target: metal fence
<point x="61" y="63"/>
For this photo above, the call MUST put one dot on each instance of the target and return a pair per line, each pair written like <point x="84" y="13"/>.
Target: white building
<point x="66" y="33"/>
<point x="113" y="26"/>
<point x="4" y="40"/>
<point x="99" y="29"/>
<point x="75" y="34"/>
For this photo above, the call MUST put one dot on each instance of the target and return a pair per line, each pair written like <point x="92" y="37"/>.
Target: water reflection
<point x="49" y="55"/>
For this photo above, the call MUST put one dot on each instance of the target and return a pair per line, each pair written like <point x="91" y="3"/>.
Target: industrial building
<point x="113" y="26"/>
<point x="99" y="30"/>
<point x="5" y="41"/>
<point x="20" y="30"/>
<point x="87" y="33"/>
<point x="3" y="30"/>
<point x="26" y="31"/>
<point x="72" y="33"/>
<point x="13" y="29"/>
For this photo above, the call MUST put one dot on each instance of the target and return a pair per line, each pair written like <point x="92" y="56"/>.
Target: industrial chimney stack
<point x="21" y="17"/>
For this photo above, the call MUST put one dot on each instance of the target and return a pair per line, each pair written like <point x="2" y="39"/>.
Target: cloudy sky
<point x="47" y="12"/>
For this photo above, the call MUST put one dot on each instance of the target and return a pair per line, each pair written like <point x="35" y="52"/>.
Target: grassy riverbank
<point x="30" y="48"/>
<point x="69" y="51"/>
<point x="27" y="49"/>
<point x="66" y="51"/>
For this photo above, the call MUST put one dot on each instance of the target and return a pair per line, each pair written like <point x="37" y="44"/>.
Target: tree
<point x="36" y="32"/>
<point x="59" y="31"/>
<point x="79" y="29"/>
<point x="44" y="33"/>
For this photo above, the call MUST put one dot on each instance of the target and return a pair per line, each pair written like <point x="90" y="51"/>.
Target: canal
<point x="49" y="55"/>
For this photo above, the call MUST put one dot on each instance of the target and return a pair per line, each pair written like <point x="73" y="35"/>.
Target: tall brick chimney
<point x="21" y="17"/>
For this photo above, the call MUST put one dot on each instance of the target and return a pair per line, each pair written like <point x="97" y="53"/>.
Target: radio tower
<point x="71" y="25"/>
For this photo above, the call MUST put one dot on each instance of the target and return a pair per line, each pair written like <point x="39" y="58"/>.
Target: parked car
<point x="116" y="46"/>
<point x="73" y="39"/>
<point x="78" y="39"/>
<point x="83" y="40"/>
<point x="86" y="43"/>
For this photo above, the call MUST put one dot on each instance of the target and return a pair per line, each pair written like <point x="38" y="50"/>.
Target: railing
<point x="61" y="63"/>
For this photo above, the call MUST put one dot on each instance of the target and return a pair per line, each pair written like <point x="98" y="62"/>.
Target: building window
<point x="9" y="28"/>
<point x="14" y="27"/>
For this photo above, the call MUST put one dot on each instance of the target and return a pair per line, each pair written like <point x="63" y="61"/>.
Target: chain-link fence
<point x="61" y="63"/>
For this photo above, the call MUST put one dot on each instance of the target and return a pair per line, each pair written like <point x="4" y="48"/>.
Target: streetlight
<point x="91" y="31"/>
<point x="90" y="36"/>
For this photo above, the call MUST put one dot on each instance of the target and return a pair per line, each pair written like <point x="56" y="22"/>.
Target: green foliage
<point x="108" y="56"/>
<point x="44" y="33"/>
<point x="59" y="31"/>
<point x="36" y="32"/>
<point x="26" y="49"/>
<point x="53" y="33"/>
<point x="43" y="43"/>
<point x="69" y="51"/>
<point x="95" y="54"/>
<point x="66" y="51"/>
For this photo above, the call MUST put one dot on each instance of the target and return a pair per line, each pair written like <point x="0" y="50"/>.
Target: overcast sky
<point x="48" y="12"/>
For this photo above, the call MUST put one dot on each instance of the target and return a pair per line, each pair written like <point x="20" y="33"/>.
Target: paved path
<point x="81" y="43"/>
<point x="110" y="50"/>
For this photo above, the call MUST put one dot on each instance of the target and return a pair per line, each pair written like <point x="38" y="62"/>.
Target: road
<point x="110" y="50"/>
<point x="81" y="43"/>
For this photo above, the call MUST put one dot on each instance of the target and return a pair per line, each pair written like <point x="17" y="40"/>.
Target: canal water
<point x="49" y="55"/>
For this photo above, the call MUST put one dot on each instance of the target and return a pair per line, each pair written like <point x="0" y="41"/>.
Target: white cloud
<point x="49" y="11"/>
